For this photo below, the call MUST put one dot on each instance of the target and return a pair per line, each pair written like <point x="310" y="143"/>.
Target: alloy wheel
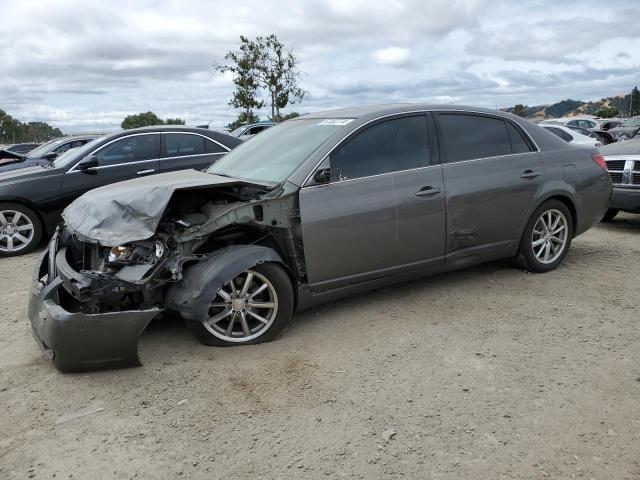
<point x="16" y="231"/>
<point x="549" y="237"/>
<point x="243" y="309"/>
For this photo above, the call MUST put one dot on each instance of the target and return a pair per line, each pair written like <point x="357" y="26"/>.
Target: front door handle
<point x="530" y="174"/>
<point x="427" y="191"/>
<point x="146" y="172"/>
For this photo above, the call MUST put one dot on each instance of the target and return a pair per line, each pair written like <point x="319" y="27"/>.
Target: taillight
<point x="599" y="159"/>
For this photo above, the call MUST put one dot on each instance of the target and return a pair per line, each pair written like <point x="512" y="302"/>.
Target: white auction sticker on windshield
<point x="336" y="121"/>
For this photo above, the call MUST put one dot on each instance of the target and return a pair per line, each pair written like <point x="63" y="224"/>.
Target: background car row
<point x="32" y="198"/>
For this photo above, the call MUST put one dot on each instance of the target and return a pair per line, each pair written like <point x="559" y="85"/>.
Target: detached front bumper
<point x="79" y="341"/>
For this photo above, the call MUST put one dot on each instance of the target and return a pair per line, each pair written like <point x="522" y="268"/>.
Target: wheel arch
<point x="192" y="295"/>
<point x="564" y="197"/>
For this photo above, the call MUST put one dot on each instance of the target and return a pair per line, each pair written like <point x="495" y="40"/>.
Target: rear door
<point x="184" y="150"/>
<point x="124" y="158"/>
<point x="382" y="211"/>
<point x="492" y="175"/>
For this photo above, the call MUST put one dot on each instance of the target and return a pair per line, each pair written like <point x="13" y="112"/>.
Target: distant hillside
<point x="614" y="106"/>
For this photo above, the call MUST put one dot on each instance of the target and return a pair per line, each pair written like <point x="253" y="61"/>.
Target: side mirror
<point x="88" y="163"/>
<point x="322" y="176"/>
<point x="51" y="156"/>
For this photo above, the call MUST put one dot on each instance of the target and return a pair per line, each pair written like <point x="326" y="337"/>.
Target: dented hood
<point x="128" y="211"/>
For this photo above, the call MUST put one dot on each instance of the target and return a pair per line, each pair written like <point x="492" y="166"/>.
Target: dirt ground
<point x="485" y="373"/>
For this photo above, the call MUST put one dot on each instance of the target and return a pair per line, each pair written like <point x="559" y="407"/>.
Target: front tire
<point x="547" y="237"/>
<point x="20" y="229"/>
<point x="610" y="215"/>
<point x="252" y="308"/>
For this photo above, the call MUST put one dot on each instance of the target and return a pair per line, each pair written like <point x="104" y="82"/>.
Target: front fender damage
<point x="192" y="296"/>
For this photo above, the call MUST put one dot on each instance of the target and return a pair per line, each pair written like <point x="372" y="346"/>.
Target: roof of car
<point x="169" y="128"/>
<point x="220" y="137"/>
<point x="78" y="136"/>
<point x="390" y="109"/>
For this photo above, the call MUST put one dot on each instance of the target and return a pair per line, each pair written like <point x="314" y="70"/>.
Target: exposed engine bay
<point x="196" y="224"/>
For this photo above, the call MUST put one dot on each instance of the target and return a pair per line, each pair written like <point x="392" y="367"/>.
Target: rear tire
<point x="245" y="312"/>
<point x="610" y="215"/>
<point x="546" y="238"/>
<point x="20" y="229"/>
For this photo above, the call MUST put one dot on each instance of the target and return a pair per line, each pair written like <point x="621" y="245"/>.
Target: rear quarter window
<point x="560" y="133"/>
<point x="468" y="136"/>
<point x="519" y="144"/>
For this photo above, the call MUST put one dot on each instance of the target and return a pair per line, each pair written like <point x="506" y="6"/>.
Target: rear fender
<point x="192" y="295"/>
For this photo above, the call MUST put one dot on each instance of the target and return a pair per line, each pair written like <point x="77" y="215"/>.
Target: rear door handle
<point x="145" y="172"/>
<point x="530" y="174"/>
<point x="427" y="191"/>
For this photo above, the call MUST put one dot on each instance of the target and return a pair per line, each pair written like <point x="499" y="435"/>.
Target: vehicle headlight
<point x="119" y="253"/>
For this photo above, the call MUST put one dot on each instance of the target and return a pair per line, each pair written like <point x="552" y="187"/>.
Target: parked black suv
<point x="32" y="198"/>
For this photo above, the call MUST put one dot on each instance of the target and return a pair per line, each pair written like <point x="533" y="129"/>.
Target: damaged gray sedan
<point x="311" y="210"/>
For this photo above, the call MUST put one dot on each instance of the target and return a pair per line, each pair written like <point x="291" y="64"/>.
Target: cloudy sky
<point x="86" y="65"/>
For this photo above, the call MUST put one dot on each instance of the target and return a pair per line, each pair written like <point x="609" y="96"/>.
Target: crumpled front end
<point x="96" y="289"/>
<point x="72" y="339"/>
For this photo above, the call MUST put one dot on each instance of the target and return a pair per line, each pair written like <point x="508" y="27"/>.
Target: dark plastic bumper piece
<point x="626" y="199"/>
<point x="82" y="342"/>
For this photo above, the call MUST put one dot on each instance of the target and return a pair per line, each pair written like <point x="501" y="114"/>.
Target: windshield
<point x="274" y="154"/>
<point x="45" y="148"/>
<point x="632" y="122"/>
<point x="75" y="154"/>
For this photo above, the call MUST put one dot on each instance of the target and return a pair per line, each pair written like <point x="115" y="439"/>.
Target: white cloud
<point x="393" y="56"/>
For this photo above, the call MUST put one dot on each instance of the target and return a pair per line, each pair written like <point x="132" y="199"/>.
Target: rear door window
<point x="212" y="147"/>
<point x="390" y="146"/>
<point x="468" y="136"/>
<point x="182" y="144"/>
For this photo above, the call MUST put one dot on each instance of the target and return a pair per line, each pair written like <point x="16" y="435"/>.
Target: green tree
<point x="607" y="112"/>
<point x="634" y="102"/>
<point x="148" y="119"/>
<point x="174" y="121"/>
<point x="15" y="131"/>
<point x="519" y="110"/>
<point x="287" y="116"/>
<point x="263" y="64"/>
<point x="243" y="119"/>
<point x="141" y="120"/>
<point x="243" y="68"/>
<point x="278" y="73"/>
<point x="10" y="129"/>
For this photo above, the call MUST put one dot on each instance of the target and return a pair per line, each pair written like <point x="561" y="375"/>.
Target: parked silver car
<point x="310" y="210"/>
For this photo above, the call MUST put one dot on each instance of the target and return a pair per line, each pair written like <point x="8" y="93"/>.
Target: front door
<point x="492" y="174"/>
<point x="127" y="157"/>
<point x="381" y="213"/>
